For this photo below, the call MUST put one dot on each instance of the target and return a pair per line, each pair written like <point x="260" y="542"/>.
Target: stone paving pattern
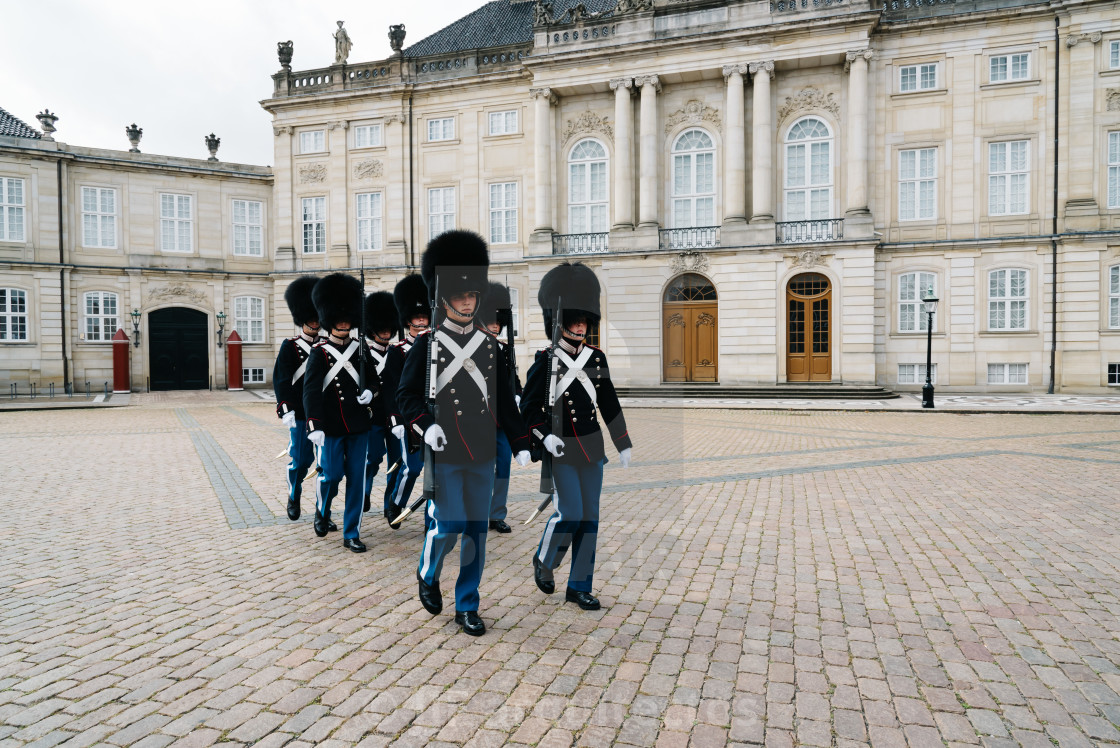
<point x="779" y="578"/>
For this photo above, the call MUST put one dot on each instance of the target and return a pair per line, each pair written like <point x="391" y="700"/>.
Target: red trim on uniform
<point x="578" y="440"/>
<point x="469" y="452"/>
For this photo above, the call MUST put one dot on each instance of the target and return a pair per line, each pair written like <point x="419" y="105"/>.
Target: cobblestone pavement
<point x="812" y="578"/>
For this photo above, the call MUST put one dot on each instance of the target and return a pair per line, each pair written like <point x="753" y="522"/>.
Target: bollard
<point x="51" y="390"/>
<point x="12" y="390"/>
<point x="70" y="389"/>
<point x="122" y="377"/>
<point x="87" y="389"/>
<point x="233" y="363"/>
<point x="106" y="390"/>
<point x="32" y="384"/>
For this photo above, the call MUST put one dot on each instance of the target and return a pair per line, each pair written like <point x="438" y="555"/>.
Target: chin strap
<point x="446" y="313"/>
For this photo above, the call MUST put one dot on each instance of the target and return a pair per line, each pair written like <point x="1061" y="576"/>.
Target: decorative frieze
<point x="689" y="262"/>
<point x="807" y="258"/>
<point x="587" y="122"/>
<point x="632" y="6"/>
<point x="177" y="291"/>
<point x="1112" y="99"/>
<point x="312" y="173"/>
<point x="693" y="113"/>
<point x="809" y="100"/>
<point x="368" y="169"/>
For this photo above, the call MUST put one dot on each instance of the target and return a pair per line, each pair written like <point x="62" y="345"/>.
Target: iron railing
<point x="801" y="232"/>
<point x="579" y="244"/>
<point x="696" y="237"/>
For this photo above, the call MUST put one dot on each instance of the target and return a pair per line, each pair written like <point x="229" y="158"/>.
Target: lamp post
<point x="221" y="327"/>
<point x="929" y="306"/>
<point x="135" y="314"/>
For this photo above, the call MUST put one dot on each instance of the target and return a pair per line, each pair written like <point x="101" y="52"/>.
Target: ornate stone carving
<point x="338" y="124"/>
<point x="676" y="320"/>
<point x="312" y="173"/>
<point x="543" y="93"/>
<point x="648" y="80"/>
<point x="741" y="68"/>
<point x="284" y="52"/>
<point x="542" y="13"/>
<point x="856" y="54"/>
<point x="617" y="83"/>
<point x="587" y="122"/>
<point x="807" y="258"/>
<point x="342" y="45"/>
<point x="368" y="169"/>
<point x="282" y="130"/>
<point x="1074" y="39"/>
<point x="1112" y="99"/>
<point x="762" y="66"/>
<point x="689" y="262"/>
<point x="396" y="37"/>
<point x="178" y="290"/>
<point x="706" y="320"/>
<point x="694" y="113"/>
<point x="633" y="6"/>
<point x="809" y="99"/>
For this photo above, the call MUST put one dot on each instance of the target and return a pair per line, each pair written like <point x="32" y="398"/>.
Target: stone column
<point x="282" y="208"/>
<point x="762" y="144"/>
<point x="856" y="188"/>
<point x="1081" y="211"/>
<point x="647" y="184"/>
<point x="542" y="161"/>
<point x="734" y="148"/>
<point x="623" y="156"/>
<point x="338" y="196"/>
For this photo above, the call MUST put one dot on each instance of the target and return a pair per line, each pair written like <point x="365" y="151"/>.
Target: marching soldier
<point x="287" y="379"/>
<point x="380" y="324"/>
<point x="495" y="314"/>
<point x="473" y="398"/>
<point x="338" y="405"/>
<point x="582" y="383"/>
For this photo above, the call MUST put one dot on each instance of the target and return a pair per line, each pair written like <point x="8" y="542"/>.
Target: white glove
<point x="554" y="445"/>
<point x="289" y="419"/>
<point x="517" y="399"/>
<point x="435" y="438"/>
<point x="522" y="457"/>
<point x="365" y="397"/>
<point x="624" y="457"/>
<point x="398" y="432"/>
<point x="318" y="438"/>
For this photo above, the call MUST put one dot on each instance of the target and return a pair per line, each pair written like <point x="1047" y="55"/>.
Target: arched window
<point x="808" y="189"/>
<point x="694" y="180"/>
<point x="690" y="287"/>
<point x="588" y="209"/>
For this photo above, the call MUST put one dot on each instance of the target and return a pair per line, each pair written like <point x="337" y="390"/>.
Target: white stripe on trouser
<point x="294" y="462"/>
<point x="319" y="481"/>
<point x="550" y="527"/>
<point x="402" y="474"/>
<point x="362" y="514"/>
<point x="429" y="539"/>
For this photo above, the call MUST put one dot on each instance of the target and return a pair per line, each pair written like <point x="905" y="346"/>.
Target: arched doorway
<point x="691" y="334"/>
<point x="177" y="349"/>
<point x="808" y="335"/>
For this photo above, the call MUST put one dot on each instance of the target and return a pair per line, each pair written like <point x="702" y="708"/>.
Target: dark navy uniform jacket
<point x="288" y="376"/>
<point x="469" y="420"/>
<point x="391" y="380"/>
<point x="581" y="434"/>
<point x="334" y="408"/>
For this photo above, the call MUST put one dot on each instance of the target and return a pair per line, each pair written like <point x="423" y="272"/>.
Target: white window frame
<point x="99" y="325"/>
<point x="1114" y="297"/>
<point x="180" y="222"/>
<point x="1114" y="54"/>
<point x="313" y="141"/>
<point x="368" y="211"/>
<point x="14" y="319"/>
<point x="13" y="210"/>
<point x="102" y="218"/>
<point x="910" y="295"/>
<point x="1002" y="182"/>
<point x="441" y="129"/>
<point x="369" y="136"/>
<point x="689" y="161"/>
<point x="313" y="232"/>
<point x="1005" y="71"/>
<point x="1008" y="305"/>
<point x="1113" y="157"/>
<point x="1113" y="372"/>
<point x="505" y="122"/>
<point x="248" y="234"/>
<point x="917" y="374"/>
<point x="441" y="210"/>
<point x="503" y="212"/>
<point x="1001" y="374"/>
<point x="252" y="375"/>
<point x="807" y="187"/>
<point x="918" y="74"/>
<point x="916" y="182"/>
<point x="584" y="214"/>
<point x="248" y="318"/>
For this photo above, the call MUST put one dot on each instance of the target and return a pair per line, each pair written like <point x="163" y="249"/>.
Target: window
<point x="916" y="374"/>
<point x="587" y="188"/>
<point x="441" y="129"/>
<point x="694" y="180"/>
<point x="441" y="210"/>
<point x="175" y="225"/>
<point x="917" y="184"/>
<point x="101" y="316"/>
<point x="1007" y="300"/>
<point x="1008" y="165"/>
<point x="248" y="318"/>
<point x="1007" y="373"/>
<point x="503" y="123"/>
<point x="1114" y="169"/>
<point x="515" y="310"/>
<point x="252" y="376"/>
<point x="13" y="314"/>
<point x="314" y="225"/>
<point x="503" y="213"/>
<point x="917" y="77"/>
<point x="911" y="288"/>
<point x="11" y="210"/>
<point x="369" y="222"/>
<point x="808" y="190"/>
<point x="1004" y="68"/>
<point x="1114" y="297"/>
<point x="367" y="136"/>
<point x="99" y="218"/>
<point x="313" y="141"/>
<point x="248" y="229"/>
<point x="1113" y="374"/>
<point x="1114" y="55"/>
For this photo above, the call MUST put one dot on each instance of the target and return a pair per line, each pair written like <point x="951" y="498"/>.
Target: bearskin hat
<point x="495" y="306"/>
<point x="381" y="313"/>
<point x="459" y="260"/>
<point x="411" y="298"/>
<point x="338" y="298"/>
<point x="298" y="296"/>
<point x="575" y="288"/>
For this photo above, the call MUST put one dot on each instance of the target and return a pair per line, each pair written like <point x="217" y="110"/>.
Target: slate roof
<point x="499" y="23"/>
<point x="13" y="126"/>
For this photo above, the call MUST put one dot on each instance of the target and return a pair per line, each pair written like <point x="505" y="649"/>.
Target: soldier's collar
<point x="569" y="347"/>
<point x="377" y="346"/>
<point x="308" y="338"/>
<point x="461" y="330"/>
<point x="410" y="339"/>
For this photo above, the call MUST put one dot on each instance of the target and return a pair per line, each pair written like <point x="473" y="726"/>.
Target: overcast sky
<point x="182" y="70"/>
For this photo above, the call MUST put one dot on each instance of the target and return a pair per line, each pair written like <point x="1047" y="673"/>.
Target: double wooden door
<point x="808" y="320"/>
<point x="691" y="334"/>
<point x="177" y="349"/>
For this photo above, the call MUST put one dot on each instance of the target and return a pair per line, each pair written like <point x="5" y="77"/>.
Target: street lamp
<point x="929" y="306"/>
<point x="221" y="327"/>
<point x="135" y="314"/>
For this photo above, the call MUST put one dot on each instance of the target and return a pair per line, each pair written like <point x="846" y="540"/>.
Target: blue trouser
<point x="461" y="506"/>
<point x="501" y="478"/>
<point x="343" y="457"/>
<point x="402" y="481"/>
<point x="302" y="454"/>
<point x="379" y="439"/>
<point x="575" y="521"/>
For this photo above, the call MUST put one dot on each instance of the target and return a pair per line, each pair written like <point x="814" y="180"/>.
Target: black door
<point x="177" y="349"/>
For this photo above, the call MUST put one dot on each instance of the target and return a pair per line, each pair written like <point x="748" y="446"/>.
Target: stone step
<point x="802" y="391"/>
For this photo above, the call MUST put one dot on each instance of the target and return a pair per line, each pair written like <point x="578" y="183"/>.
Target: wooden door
<point x="808" y="329"/>
<point x="177" y="349"/>
<point x="691" y="333"/>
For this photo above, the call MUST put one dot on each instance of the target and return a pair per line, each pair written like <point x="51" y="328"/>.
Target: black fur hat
<point x="495" y="306"/>
<point x="411" y="298"/>
<point x="460" y="259"/>
<point x="575" y="287"/>
<point x="298" y="296"/>
<point x="338" y="298"/>
<point x="381" y="313"/>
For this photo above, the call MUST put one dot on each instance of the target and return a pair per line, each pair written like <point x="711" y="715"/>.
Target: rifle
<point x="361" y="335"/>
<point x="548" y="482"/>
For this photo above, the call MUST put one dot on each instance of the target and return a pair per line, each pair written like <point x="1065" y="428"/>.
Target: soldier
<point x="337" y="403"/>
<point x="495" y="314"/>
<point x="582" y="382"/>
<point x="380" y="324"/>
<point x="473" y="398"/>
<point x="287" y="381"/>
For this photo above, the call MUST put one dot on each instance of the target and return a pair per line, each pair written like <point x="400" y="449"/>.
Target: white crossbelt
<point x="379" y="358"/>
<point x="306" y="348"/>
<point x="341" y="361"/>
<point x="459" y="359"/>
<point x="575" y="372"/>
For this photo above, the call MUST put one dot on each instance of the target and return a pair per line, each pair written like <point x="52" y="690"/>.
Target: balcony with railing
<point x="694" y="237"/>
<point x="579" y="244"/>
<point x="805" y="232"/>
